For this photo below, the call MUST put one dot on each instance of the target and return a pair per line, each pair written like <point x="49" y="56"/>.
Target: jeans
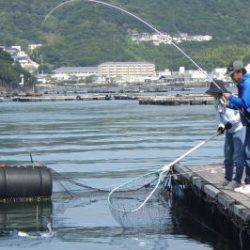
<point x="247" y="156"/>
<point x="235" y="154"/>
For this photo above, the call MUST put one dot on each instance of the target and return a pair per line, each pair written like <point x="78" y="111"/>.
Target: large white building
<point x="127" y="71"/>
<point x="71" y="73"/>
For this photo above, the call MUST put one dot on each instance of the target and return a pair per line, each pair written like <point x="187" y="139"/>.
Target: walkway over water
<point x="230" y="207"/>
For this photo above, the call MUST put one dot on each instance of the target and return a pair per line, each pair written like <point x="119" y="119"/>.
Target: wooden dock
<point x="200" y="187"/>
<point x="178" y="99"/>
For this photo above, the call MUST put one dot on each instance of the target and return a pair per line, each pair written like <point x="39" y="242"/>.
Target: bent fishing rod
<point x="120" y="9"/>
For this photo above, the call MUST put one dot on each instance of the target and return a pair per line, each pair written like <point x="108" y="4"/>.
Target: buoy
<point x="25" y="182"/>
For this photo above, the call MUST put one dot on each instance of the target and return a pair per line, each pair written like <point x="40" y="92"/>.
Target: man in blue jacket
<point x="241" y="102"/>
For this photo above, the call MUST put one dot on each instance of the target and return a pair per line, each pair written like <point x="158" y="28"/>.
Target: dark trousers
<point x="247" y="155"/>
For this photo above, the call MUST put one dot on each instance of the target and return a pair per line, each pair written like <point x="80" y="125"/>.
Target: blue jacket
<point x="242" y="102"/>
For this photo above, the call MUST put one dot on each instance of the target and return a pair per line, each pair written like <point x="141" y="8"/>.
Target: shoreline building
<point x="220" y="74"/>
<point x="127" y="71"/>
<point x="74" y="73"/>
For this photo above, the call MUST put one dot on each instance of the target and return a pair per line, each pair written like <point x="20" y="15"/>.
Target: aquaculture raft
<point x="228" y="211"/>
<point x="53" y="98"/>
<point x="178" y="99"/>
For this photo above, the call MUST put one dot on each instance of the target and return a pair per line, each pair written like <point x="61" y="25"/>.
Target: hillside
<point x="10" y="72"/>
<point x="86" y="34"/>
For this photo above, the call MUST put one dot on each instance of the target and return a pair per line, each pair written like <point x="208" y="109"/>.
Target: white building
<point x="205" y="38"/>
<point x="34" y="46"/>
<point x="197" y="74"/>
<point x="69" y="73"/>
<point x="247" y="67"/>
<point x="164" y="38"/>
<point x="19" y="48"/>
<point x="155" y="38"/>
<point x="18" y="55"/>
<point x="41" y="79"/>
<point x="165" y="73"/>
<point x="127" y="71"/>
<point x="220" y="73"/>
<point x="182" y="71"/>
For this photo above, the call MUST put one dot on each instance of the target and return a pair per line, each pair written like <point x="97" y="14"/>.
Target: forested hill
<point x="86" y="34"/>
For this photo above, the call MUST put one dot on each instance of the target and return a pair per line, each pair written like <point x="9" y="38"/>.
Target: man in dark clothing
<point x="241" y="102"/>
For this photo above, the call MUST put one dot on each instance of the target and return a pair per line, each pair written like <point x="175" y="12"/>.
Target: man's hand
<point x="221" y="130"/>
<point x="226" y="95"/>
<point x="223" y="101"/>
<point x="228" y="126"/>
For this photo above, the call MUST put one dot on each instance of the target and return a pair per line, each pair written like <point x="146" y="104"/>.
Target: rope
<point x="80" y="184"/>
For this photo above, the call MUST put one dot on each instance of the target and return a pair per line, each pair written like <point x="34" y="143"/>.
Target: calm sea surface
<point x="102" y="144"/>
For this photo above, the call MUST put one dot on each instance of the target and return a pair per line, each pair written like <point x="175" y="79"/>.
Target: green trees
<point x="10" y="72"/>
<point x="84" y="34"/>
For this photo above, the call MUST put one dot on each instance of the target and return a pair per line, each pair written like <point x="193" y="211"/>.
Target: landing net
<point x="123" y="204"/>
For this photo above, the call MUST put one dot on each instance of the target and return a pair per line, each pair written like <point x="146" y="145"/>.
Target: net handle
<point x="167" y="167"/>
<point x="161" y="172"/>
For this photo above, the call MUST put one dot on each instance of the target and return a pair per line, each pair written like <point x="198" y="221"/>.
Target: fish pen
<point x="178" y="99"/>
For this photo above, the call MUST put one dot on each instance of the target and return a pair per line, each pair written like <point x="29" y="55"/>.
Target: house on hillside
<point x="19" y="55"/>
<point x="32" y="47"/>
